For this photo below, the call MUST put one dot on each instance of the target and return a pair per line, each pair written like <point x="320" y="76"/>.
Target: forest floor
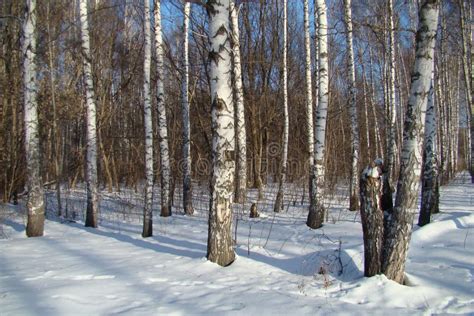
<point x="282" y="267"/>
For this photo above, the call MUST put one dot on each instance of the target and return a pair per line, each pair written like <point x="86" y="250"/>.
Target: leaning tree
<point x="399" y="226"/>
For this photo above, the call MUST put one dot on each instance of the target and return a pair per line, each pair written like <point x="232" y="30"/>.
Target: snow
<point x="282" y="267"/>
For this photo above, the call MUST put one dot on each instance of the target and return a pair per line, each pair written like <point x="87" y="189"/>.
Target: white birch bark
<point x="284" y="154"/>
<point x="355" y="139"/>
<point x="309" y="110"/>
<point x="392" y="118"/>
<point x="162" y="123"/>
<point x="91" y="156"/>
<point x="467" y="83"/>
<point x="219" y="243"/>
<point x="365" y="92"/>
<point x="400" y="224"/>
<point x="443" y="134"/>
<point x="147" y="110"/>
<point x="429" y="184"/>
<point x="455" y="119"/>
<point x="187" y="183"/>
<point x="316" y="65"/>
<point x="378" y="141"/>
<point x="241" y="135"/>
<point x="316" y="214"/>
<point x="35" y="202"/>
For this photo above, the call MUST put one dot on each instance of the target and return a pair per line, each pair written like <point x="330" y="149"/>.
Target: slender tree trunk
<point x="429" y="184"/>
<point x="470" y="112"/>
<point x="316" y="214"/>
<point x="187" y="183"/>
<point x="441" y="105"/>
<point x="467" y="83"/>
<point x="219" y="243"/>
<point x="284" y="155"/>
<point x="309" y="111"/>
<point x="391" y="149"/>
<point x="147" y="110"/>
<point x="57" y="139"/>
<point x="366" y="97"/>
<point x="377" y="138"/>
<point x="35" y="203"/>
<point x="241" y="134"/>
<point x="91" y="157"/>
<point x="162" y="123"/>
<point x="455" y="119"/>
<point x="355" y="139"/>
<point x="401" y="221"/>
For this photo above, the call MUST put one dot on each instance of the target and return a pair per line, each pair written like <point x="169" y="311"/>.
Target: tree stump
<point x="372" y="219"/>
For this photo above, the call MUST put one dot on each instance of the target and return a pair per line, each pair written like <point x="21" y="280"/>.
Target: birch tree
<point x="400" y="224"/>
<point x="219" y="243"/>
<point x="147" y="211"/>
<point x="57" y="140"/>
<point x="284" y="155"/>
<point x="392" y="108"/>
<point x="468" y="85"/>
<point x="391" y="148"/>
<point x="429" y="184"/>
<point x="35" y="203"/>
<point x="378" y="141"/>
<point x="91" y="156"/>
<point x="162" y="123"/>
<point x="355" y="140"/>
<point x="309" y="111"/>
<point x="187" y="184"/>
<point x="316" y="213"/>
<point x="241" y="134"/>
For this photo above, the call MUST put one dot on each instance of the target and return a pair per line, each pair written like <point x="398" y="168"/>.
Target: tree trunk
<point x="467" y="82"/>
<point x="366" y="98"/>
<point x="355" y="139"/>
<point x="162" y="123"/>
<point x="57" y="140"/>
<point x="219" y="243"/>
<point x="147" y="110"/>
<point x="241" y="167"/>
<point x="378" y="141"/>
<point x="371" y="214"/>
<point x="309" y="111"/>
<point x="187" y="183"/>
<point x="316" y="213"/>
<point x="284" y="156"/>
<point x="35" y="203"/>
<point x="429" y="184"/>
<point x="91" y="157"/>
<point x="391" y="149"/>
<point x="400" y="224"/>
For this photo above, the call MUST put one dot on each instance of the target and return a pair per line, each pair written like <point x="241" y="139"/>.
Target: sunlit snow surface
<point x="282" y="268"/>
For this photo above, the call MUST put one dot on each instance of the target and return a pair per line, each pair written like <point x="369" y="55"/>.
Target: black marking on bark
<point x="214" y="57"/>
<point x="229" y="155"/>
<point x="221" y="31"/>
<point x="210" y="9"/>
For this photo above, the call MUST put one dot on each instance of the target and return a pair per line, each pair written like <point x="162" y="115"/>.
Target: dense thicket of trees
<point x="74" y="102"/>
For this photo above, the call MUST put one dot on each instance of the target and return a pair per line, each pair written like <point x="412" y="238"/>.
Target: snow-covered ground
<point x="282" y="266"/>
